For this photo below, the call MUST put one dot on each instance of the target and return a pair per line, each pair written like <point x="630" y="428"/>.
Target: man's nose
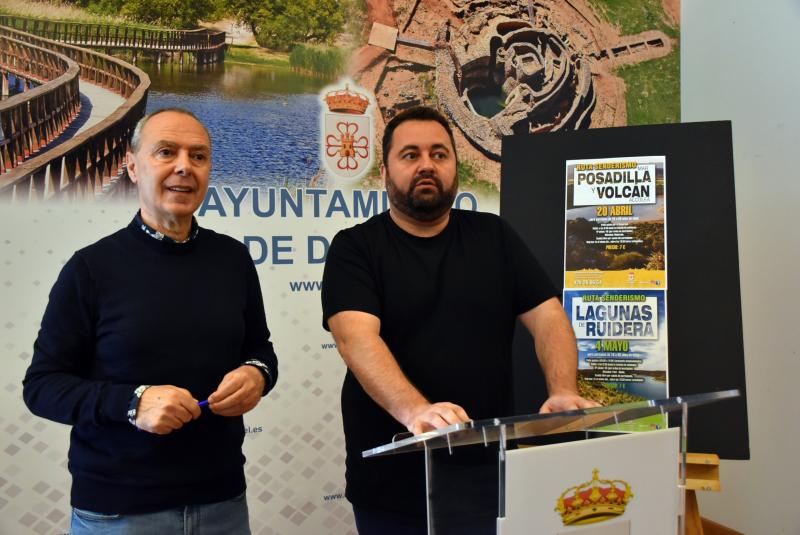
<point x="426" y="161"/>
<point x="183" y="163"/>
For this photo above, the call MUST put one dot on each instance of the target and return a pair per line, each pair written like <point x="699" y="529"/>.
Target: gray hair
<point x="136" y="138"/>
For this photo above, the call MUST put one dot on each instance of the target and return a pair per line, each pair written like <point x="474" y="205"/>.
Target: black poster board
<point x="706" y="351"/>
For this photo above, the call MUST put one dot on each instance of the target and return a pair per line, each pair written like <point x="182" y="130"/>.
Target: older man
<point x="422" y="303"/>
<point x="153" y="345"/>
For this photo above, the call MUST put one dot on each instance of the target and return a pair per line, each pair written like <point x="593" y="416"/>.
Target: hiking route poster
<point x="615" y="279"/>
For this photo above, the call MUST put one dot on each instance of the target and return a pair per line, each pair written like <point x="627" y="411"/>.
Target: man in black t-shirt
<point x="422" y="303"/>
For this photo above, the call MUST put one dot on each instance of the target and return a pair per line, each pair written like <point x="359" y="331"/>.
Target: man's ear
<point x="132" y="167"/>
<point x="383" y="172"/>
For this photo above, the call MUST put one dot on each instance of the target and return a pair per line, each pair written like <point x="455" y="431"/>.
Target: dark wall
<point x="704" y="319"/>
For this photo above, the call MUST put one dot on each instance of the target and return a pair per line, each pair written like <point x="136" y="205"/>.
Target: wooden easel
<point x="702" y="473"/>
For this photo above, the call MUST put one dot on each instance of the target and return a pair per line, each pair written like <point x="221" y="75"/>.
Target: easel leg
<point x="694" y="525"/>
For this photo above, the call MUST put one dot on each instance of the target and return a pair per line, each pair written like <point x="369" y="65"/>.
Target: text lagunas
<point x="601" y="320"/>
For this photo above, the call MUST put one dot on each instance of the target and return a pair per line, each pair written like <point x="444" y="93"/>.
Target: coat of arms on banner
<point x="347" y="145"/>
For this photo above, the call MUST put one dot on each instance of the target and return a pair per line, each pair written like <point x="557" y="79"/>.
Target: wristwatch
<point x="133" y="407"/>
<point x="264" y="369"/>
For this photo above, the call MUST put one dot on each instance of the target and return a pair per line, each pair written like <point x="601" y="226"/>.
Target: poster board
<point x="704" y="298"/>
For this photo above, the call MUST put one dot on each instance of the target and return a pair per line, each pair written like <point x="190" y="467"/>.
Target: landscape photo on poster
<point x="622" y="347"/>
<point x="615" y="223"/>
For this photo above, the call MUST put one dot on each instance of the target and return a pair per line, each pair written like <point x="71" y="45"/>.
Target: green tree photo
<point x="182" y="14"/>
<point x="280" y="24"/>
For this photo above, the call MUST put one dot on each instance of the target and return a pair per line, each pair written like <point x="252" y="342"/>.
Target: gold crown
<point x="594" y="501"/>
<point x="346" y="101"/>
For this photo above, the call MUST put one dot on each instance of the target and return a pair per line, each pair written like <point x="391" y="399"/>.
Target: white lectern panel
<point x="622" y="485"/>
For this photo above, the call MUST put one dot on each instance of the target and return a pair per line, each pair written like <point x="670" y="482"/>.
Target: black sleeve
<point x="58" y="383"/>
<point x="530" y="282"/>
<point x="348" y="282"/>
<point x="257" y="344"/>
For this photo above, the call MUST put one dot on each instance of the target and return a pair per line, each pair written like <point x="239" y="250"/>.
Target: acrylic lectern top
<point x="531" y="425"/>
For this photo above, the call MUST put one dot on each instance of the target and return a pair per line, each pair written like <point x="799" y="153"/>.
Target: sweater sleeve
<point x="257" y="345"/>
<point x="58" y="384"/>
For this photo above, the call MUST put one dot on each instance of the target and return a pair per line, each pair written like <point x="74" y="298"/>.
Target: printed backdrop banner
<point x="296" y="158"/>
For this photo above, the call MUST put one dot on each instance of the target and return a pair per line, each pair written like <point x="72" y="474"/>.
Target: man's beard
<point x="422" y="207"/>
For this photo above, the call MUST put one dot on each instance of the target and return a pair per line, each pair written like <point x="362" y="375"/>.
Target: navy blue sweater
<point x="132" y="310"/>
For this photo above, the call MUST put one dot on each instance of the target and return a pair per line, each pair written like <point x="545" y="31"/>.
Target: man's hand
<point x="558" y="355"/>
<point x="357" y="336"/>
<point x="163" y="409"/>
<point x="566" y="402"/>
<point x="239" y="392"/>
<point x="434" y="416"/>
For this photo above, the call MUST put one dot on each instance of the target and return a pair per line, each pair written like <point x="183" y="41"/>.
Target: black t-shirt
<point x="447" y="306"/>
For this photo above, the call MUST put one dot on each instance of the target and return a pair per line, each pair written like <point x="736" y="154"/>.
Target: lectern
<point x="480" y="480"/>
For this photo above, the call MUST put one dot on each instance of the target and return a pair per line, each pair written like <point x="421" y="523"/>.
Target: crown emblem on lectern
<point x="594" y="501"/>
<point x="346" y="101"/>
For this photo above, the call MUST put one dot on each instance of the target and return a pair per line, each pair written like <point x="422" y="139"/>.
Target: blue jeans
<point x="223" y="518"/>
